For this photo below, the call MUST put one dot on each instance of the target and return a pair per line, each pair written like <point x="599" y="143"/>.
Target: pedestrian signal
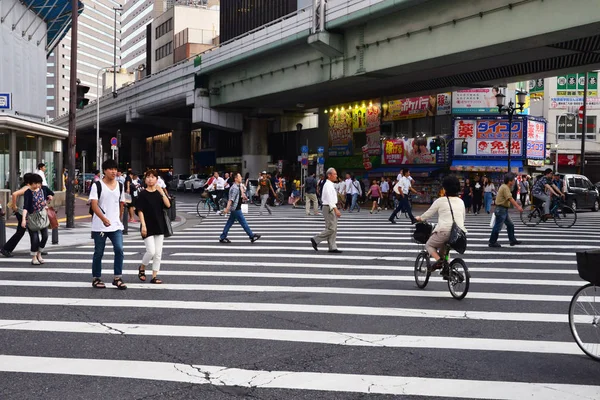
<point x="465" y="147"/>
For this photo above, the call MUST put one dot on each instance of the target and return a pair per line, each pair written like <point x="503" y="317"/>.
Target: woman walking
<point x="477" y="191"/>
<point x="150" y="205"/>
<point x="467" y="195"/>
<point x="34" y="205"/>
<point x="489" y="191"/>
<point x="17" y="207"/>
<point x="374" y="193"/>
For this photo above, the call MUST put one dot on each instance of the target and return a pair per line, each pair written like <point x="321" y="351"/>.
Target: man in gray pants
<point x="330" y="213"/>
<point x="310" y="186"/>
<point x="264" y="187"/>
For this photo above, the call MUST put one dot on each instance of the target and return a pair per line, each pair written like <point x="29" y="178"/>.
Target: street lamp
<point x="510" y="109"/>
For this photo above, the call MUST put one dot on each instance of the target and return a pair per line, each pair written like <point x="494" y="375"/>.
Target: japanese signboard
<point x="564" y="102"/>
<point x="536" y="88"/>
<point x="408" y="151"/>
<point x="475" y="101"/>
<point x="340" y="132"/>
<point x="366" y="159"/>
<point x="359" y="118"/>
<point x="488" y="137"/>
<point x="373" y="115"/>
<point x="414" y="107"/>
<point x="570" y="160"/>
<point x="573" y="84"/>
<point x="444" y="103"/>
<point x="536" y="139"/>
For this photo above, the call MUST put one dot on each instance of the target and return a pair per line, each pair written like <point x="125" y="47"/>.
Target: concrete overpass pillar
<point x="181" y="145"/>
<point x="254" y="146"/>
<point x="138" y="149"/>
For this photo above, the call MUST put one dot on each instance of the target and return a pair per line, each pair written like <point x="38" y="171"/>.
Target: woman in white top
<point x="489" y="191"/>
<point x="436" y="245"/>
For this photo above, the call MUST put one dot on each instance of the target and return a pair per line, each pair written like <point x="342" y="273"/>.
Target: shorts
<point x="374" y="198"/>
<point x="296" y="193"/>
<point x="438" y="239"/>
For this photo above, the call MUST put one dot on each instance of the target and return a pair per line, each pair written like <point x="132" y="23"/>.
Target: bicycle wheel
<point x="222" y="203"/>
<point x="565" y="217"/>
<point x="584" y="319"/>
<point x="200" y="207"/>
<point x="256" y="200"/>
<point x="531" y="215"/>
<point x="279" y="199"/>
<point x="458" y="279"/>
<point x="422" y="272"/>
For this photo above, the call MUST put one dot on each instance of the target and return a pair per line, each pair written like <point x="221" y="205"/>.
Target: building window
<point x="164" y="28"/>
<point x="571" y="128"/>
<point x="163" y="51"/>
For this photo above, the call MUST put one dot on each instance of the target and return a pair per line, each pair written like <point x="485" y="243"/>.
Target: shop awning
<point x="485" y="165"/>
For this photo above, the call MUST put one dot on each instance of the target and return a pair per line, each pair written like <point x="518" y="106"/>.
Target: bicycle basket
<point x="421" y="232"/>
<point x="588" y="265"/>
<point x="204" y="195"/>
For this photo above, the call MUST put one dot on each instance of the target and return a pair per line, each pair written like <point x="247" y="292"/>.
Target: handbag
<point x="458" y="237"/>
<point x="493" y="220"/>
<point x="169" y="230"/>
<point x="52" y="218"/>
<point x="245" y="208"/>
<point x="38" y="220"/>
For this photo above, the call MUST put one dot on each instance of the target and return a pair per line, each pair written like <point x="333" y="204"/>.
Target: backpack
<point x="99" y="190"/>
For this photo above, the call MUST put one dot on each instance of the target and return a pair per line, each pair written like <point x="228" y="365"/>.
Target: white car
<point x="194" y="183"/>
<point x="177" y="183"/>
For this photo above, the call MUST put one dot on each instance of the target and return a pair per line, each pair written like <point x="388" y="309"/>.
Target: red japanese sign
<point x="498" y="147"/>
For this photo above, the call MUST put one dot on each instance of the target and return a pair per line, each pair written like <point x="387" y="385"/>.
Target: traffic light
<point x="81" y="100"/>
<point x="465" y="147"/>
<point x="438" y="145"/>
<point x="434" y="146"/>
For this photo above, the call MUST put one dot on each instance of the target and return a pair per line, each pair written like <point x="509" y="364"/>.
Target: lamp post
<point x="510" y="109"/>
<point x="98" y="155"/>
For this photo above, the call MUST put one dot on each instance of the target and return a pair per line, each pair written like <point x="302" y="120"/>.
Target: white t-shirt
<point x="109" y="203"/>
<point x="43" y="175"/>
<point x="220" y="183"/>
<point x="161" y="183"/>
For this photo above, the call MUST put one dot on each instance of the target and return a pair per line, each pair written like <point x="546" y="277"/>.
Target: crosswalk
<point x="277" y="320"/>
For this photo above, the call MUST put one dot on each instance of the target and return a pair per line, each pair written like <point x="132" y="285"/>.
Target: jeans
<point x="154" y="248"/>
<point x="348" y="201"/>
<point x="403" y="205"/>
<point x="487" y="197"/>
<point x="36" y="244"/>
<point x="236" y="215"/>
<point x="116" y="238"/>
<point x="354" y="202"/>
<point x="546" y="199"/>
<point x="16" y="238"/>
<point x="263" y="204"/>
<point x="502" y="218"/>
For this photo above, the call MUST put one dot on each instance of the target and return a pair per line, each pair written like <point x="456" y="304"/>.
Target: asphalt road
<point x="276" y="320"/>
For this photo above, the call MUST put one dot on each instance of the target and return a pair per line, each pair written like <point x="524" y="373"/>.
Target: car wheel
<point x="596" y="205"/>
<point x="574" y="204"/>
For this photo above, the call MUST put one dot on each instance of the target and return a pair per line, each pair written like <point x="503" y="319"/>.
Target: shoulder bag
<point x="458" y="237"/>
<point x="38" y="220"/>
<point x="169" y="230"/>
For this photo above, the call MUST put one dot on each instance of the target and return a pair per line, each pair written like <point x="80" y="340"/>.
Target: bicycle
<point x="584" y="309"/>
<point x="207" y="203"/>
<point x="279" y="198"/>
<point x="563" y="215"/>
<point x="458" y="278"/>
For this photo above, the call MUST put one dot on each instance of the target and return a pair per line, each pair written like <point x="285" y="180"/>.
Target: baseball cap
<point x="264" y="172"/>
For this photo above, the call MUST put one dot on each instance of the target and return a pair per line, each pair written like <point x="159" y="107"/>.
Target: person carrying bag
<point x="35" y="217"/>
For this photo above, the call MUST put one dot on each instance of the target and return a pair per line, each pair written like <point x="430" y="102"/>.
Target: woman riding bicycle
<point x="436" y="245"/>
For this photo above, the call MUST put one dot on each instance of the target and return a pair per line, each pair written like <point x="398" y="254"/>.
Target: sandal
<point x="142" y="273"/>
<point x="40" y="259"/>
<point x="156" y="280"/>
<point x="98" y="284"/>
<point x="118" y="282"/>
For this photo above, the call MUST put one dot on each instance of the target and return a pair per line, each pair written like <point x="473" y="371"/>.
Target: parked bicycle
<point x="584" y="310"/>
<point x="563" y="215"/>
<point x="458" y="277"/>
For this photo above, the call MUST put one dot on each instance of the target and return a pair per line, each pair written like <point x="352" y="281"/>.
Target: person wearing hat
<point x="264" y="188"/>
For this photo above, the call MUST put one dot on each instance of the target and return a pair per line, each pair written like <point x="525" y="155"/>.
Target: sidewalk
<point x="78" y="236"/>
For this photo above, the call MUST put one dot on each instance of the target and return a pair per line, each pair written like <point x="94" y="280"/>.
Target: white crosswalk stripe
<point x="279" y="320"/>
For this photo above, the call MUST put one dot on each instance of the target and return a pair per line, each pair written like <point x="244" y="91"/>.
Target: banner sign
<point x="536" y="139"/>
<point x="536" y="88"/>
<point x="373" y="129"/>
<point x="570" y="160"/>
<point x="573" y="84"/>
<point x="444" y="103"/>
<point x="479" y="101"/>
<point x="340" y="132"/>
<point x="488" y="137"/>
<point x="408" y="151"/>
<point x="413" y="107"/>
<point x="366" y="159"/>
<point x="563" y="103"/>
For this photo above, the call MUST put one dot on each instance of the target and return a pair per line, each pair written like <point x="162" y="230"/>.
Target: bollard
<point x="2" y="227"/>
<point x="125" y="219"/>
<point x="55" y="236"/>
<point x="173" y="210"/>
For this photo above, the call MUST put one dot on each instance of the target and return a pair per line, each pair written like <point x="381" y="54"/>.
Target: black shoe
<point x="254" y="238"/>
<point x="314" y="244"/>
<point x="445" y="272"/>
<point x="6" y="253"/>
<point x="224" y="240"/>
<point x="497" y="245"/>
<point x="44" y="253"/>
<point x="336" y="251"/>
<point x="516" y="242"/>
<point x="392" y="220"/>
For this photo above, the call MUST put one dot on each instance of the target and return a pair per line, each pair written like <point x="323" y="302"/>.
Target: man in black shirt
<point x="310" y="188"/>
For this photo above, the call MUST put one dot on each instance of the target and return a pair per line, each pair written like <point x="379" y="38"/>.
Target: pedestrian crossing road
<point x="277" y="320"/>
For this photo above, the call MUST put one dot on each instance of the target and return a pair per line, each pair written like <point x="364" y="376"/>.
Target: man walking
<point x="330" y="213"/>
<point x="41" y="171"/>
<point x="235" y="205"/>
<point x="348" y="189"/>
<point x="504" y="199"/>
<point x="310" y="188"/>
<point x="385" y="193"/>
<point x="264" y="188"/>
<point x="107" y="202"/>
<point x="403" y="188"/>
<point x="356" y="192"/>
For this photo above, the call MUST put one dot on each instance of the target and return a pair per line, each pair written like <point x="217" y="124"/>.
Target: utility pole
<point x="71" y="142"/>
<point x="584" y="124"/>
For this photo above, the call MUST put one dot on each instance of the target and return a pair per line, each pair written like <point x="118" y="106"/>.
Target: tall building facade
<point x="96" y="35"/>
<point x="241" y="16"/>
<point x="137" y="15"/>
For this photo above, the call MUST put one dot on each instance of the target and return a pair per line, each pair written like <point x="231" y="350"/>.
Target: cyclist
<point x="544" y="189"/>
<point x="436" y="245"/>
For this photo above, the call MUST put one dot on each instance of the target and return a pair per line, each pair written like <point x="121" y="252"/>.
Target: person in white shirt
<point x="356" y="191"/>
<point x="41" y="171"/>
<point x="385" y="192"/>
<point x="219" y="187"/>
<point x="330" y="213"/>
<point x="444" y="207"/>
<point x="403" y="189"/>
<point x="107" y="215"/>
<point x="120" y="178"/>
<point x="348" y="191"/>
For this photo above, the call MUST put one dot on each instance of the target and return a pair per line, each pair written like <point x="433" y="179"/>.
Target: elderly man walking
<point x="330" y="213"/>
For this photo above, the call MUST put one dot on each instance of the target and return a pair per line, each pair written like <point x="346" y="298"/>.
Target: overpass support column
<point x="181" y="145"/>
<point x="138" y="149"/>
<point x="255" y="156"/>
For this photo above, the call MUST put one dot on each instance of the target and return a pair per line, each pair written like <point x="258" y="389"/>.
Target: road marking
<point x="332" y="382"/>
<point x="287" y="308"/>
<point x="302" y="336"/>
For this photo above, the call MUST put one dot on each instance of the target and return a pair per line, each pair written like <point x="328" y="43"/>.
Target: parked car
<point x="194" y="183"/>
<point x="581" y="193"/>
<point x="177" y="183"/>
